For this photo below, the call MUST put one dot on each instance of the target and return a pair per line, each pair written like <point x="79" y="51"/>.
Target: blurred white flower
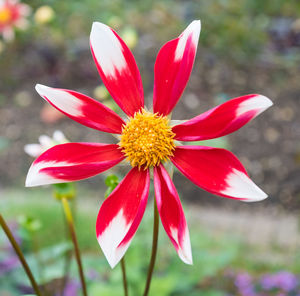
<point x="46" y="142"/>
<point x="12" y="15"/>
<point x="44" y="15"/>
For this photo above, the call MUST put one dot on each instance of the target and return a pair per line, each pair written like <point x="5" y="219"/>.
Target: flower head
<point x="12" y="15"/>
<point x="44" y="15"/>
<point x="147" y="141"/>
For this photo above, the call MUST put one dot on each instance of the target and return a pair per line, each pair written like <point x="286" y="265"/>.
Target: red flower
<point x="12" y="15"/>
<point x="147" y="140"/>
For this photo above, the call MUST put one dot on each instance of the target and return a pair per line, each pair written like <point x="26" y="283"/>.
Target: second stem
<point x="70" y="223"/>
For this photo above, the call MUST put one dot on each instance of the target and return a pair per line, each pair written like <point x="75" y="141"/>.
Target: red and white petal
<point x="72" y="162"/>
<point x="171" y="214"/>
<point x="82" y="109"/>
<point x="217" y="171"/>
<point x="173" y="67"/>
<point x="121" y="214"/>
<point x="117" y="68"/>
<point x="223" y="119"/>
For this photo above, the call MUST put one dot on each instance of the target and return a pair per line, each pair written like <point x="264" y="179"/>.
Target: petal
<point x="82" y="109"/>
<point x="121" y="214"/>
<point x="117" y="68"/>
<point x="173" y="67"/>
<point x="171" y="214"/>
<point x="45" y="141"/>
<point x="223" y="119"/>
<point x="72" y="162"/>
<point x="217" y="171"/>
<point x="33" y="150"/>
<point x="59" y="137"/>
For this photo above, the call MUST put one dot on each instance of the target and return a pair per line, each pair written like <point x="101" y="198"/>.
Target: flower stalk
<point x="154" y="248"/>
<point x="123" y="267"/>
<point x="20" y="255"/>
<point x="70" y="222"/>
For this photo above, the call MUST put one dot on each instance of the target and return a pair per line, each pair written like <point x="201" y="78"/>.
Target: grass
<point x="213" y="253"/>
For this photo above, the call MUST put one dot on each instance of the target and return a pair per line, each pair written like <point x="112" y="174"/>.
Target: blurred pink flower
<point x="12" y="15"/>
<point x="148" y="140"/>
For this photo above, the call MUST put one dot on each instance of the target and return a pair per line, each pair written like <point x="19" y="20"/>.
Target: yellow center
<point x="147" y="139"/>
<point x="5" y="15"/>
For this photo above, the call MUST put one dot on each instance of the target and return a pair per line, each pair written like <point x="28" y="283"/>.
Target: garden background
<point x="245" y="46"/>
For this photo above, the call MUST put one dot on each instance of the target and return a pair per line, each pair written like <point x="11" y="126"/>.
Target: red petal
<point x="82" y="109"/>
<point x="121" y="214"/>
<point x="217" y="171"/>
<point x="223" y="119"/>
<point x="72" y="162"/>
<point x="173" y="67"/>
<point x="171" y="214"/>
<point x="117" y="68"/>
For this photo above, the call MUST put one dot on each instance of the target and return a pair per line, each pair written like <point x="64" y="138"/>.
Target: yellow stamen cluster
<point x="5" y="15"/>
<point x="147" y="139"/>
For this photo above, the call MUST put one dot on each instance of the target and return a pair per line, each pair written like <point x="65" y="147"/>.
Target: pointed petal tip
<point x="243" y="188"/>
<point x="110" y="257"/>
<point x="186" y="258"/>
<point x="34" y="178"/>
<point x="196" y="24"/>
<point x="256" y="102"/>
<point x="31" y="179"/>
<point x="261" y="195"/>
<point x="195" y="28"/>
<point x="98" y="28"/>
<point x="39" y="87"/>
<point x="265" y="102"/>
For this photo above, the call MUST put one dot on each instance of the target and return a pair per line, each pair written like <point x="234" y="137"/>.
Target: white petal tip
<point x="193" y="31"/>
<point x="112" y="263"/>
<point x="258" y="197"/>
<point x="196" y="25"/>
<point x="186" y="260"/>
<point x="37" y="178"/>
<point x="240" y="186"/>
<point x="265" y="102"/>
<point x="258" y="103"/>
<point x="97" y="28"/>
<point x="41" y="89"/>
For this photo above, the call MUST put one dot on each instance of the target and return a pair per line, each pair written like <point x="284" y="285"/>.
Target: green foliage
<point x="111" y="182"/>
<point x="212" y="253"/>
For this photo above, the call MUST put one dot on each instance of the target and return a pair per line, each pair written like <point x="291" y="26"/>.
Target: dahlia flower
<point x="12" y="15"/>
<point x="147" y="141"/>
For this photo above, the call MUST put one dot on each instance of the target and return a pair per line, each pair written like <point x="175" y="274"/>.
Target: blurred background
<point x="246" y="46"/>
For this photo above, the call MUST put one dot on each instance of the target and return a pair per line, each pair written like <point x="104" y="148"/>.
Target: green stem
<point x="124" y="276"/>
<point x="70" y="222"/>
<point x="67" y="265"/>
<point x="20" y="255"/>
<point x="154" y="249"/>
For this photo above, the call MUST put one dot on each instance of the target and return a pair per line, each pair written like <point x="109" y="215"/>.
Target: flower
<point x="44" y="15"/>
<point x="147" y="140"/>
<point x="284" y="280"/>
<point x="46" y="142"/>
<point x="12" y="15"/>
